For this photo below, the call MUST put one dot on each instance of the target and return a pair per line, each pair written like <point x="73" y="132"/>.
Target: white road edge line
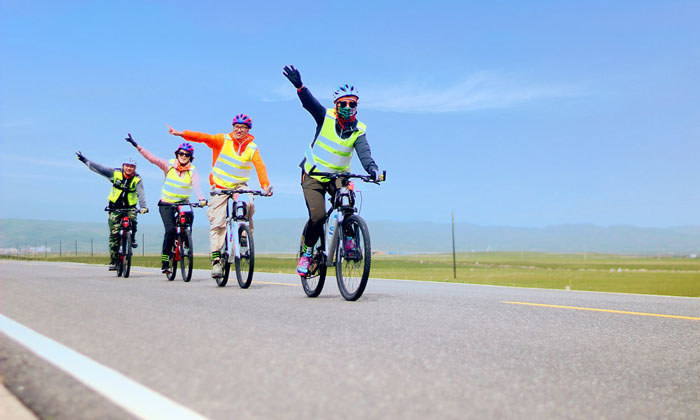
<point x="135" y="398"/>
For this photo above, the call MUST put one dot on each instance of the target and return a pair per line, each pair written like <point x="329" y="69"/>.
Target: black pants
<point x="315" y="196"/>
<point x="168" y="213"/>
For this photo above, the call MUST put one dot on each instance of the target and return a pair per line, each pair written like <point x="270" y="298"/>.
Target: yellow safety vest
<point x="176" y="188"/>
<point x="330" y="153"/>
<point x="119" y="185"/>
<point x="230" y="168"/>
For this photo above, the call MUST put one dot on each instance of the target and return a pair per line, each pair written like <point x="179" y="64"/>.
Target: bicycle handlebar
<point x="123" y="209"/>
<point x="182" y="204"/>
<point x="335" y="175"/>
<point x="231" y="192"/>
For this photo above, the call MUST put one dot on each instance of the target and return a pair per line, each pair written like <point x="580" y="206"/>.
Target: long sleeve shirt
<point x="318" y="112"/>
<point x="109" y="174"/>
<point x="216" y="143"/>
<point x="165" y="166"/>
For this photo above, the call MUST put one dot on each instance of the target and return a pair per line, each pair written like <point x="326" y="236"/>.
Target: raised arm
<point x="161" y="163"/>
<point x="308" y="101"/>
<point x="96" y="167"/>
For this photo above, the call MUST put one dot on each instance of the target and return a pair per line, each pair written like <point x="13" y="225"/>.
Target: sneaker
<point x="217" y="269"/>
<point x="165" y="267"/>
<point x="244" y="240"/>
<point x="303" y="266"/>
<point x="113" y="266"/>
<point x="351" y="250"/>
<point x="134" y="244"/>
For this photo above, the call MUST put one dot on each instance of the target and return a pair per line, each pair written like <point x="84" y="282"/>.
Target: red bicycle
<point x="125" y="242"/>
<point x="182" y="251"/>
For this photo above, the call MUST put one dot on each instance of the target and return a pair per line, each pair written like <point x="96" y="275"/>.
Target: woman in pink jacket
<point x="180" y="178"/>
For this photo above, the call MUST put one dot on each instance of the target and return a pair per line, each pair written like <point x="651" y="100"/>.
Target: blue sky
<point x="509" y="113"/>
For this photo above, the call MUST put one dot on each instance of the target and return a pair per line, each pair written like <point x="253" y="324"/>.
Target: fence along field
<point x="662" y="275"/>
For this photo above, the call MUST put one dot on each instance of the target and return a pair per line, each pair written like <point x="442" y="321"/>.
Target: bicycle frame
<point x="180" y="224"/>
<point x="343" y="204"/>
<point x="236" y="216"/>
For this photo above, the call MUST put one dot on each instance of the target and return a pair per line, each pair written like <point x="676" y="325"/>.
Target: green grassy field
<point x="593" y="272"/>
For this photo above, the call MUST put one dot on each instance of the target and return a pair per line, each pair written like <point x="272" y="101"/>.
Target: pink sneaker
<point x="303" y="266"/>
<point x="350" y="244"/>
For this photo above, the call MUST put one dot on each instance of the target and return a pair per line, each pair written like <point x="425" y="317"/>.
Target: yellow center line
<point x="603" y="310"/>
<point x="279" y="284"/>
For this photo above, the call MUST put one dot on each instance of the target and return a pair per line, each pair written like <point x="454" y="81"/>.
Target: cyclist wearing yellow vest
<point x="181" y="177"/>
<point x="234" y="155"/>
<point x="338" y="135"/>
<point x="127" y="190"/>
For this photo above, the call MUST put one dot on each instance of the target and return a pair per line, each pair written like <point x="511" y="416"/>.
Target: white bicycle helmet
<point x="129" y="161"/>
<point x="345" y="90"/>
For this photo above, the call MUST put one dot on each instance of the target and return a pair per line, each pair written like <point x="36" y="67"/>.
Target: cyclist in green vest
<point x="181" y="177"/>
<point x="127" y="190"/>
<point x="338" y="135"/>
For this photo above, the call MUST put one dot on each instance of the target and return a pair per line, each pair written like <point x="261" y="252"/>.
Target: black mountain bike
<point x="126" y="233"/>
<point x="344" y="243"/>
<point x="239" y="248"/>
<point x="182" y="251"/>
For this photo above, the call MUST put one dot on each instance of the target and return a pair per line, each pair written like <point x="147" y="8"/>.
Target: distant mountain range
<point x="282" y="235"/>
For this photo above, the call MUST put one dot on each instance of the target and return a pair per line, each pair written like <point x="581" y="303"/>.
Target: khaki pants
<point x="217" y="219"/>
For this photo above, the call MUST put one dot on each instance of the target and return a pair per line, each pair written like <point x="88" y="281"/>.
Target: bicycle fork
<point x="331" y="233"/>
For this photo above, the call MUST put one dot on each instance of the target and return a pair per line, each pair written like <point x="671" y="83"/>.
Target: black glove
<point x="131" y="140"/>
<point x="376" y="175"/>
<point x="293" y="75"/>
<point x="81" y="157"/>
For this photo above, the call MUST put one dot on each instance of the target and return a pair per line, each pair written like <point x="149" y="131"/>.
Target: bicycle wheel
<point x="172" y="263"/>
<point x="120" y="255"/>
<point x="186" y="256"/>
<point x="246" y="262"/>
<point x="127" y="254"/>
<point x="221" y="281"/>
<point x="353" y="258"/>
<point x="315" y="279"/>
<point x="120" y="260"/>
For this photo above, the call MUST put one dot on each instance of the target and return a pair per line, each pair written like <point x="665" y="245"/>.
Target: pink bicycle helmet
<point x="243" y="119"/>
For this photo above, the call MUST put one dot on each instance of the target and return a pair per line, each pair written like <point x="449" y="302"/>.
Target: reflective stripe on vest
<point x="119" y="186"/>
<point x="176" y="188"/>
<point x="230" y="168"/>
<point x="330" y="153"/>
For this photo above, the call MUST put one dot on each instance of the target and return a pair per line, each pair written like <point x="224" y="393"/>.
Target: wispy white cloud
<point x="40" y="162"/>
<point x="475" y="92"/>
<point x="19" y="123"/>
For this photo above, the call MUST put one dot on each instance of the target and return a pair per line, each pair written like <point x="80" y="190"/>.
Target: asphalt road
<point x="405" y="350"/>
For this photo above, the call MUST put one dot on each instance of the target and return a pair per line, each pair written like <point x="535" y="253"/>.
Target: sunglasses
<point x="183" y="154"/>
<point x="344" y="104"/>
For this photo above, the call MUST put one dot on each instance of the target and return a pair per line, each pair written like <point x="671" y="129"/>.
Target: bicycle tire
<point x="245" y="264"/>
<point x="120" y="256"/>
<point x="352" y="270"/>
<point x="127" y="254"/>
<point x="172" y="263"/>
<point x="313" y="283"/>
<point x="186" y="255"/>
<point x="120" y="262"/>
<point x="221" y="281"/>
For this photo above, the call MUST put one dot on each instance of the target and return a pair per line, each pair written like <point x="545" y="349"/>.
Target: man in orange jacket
<point x="234" y="155"/>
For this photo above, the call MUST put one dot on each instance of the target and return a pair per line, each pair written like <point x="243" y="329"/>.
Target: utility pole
<point x="454" y="254"/>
